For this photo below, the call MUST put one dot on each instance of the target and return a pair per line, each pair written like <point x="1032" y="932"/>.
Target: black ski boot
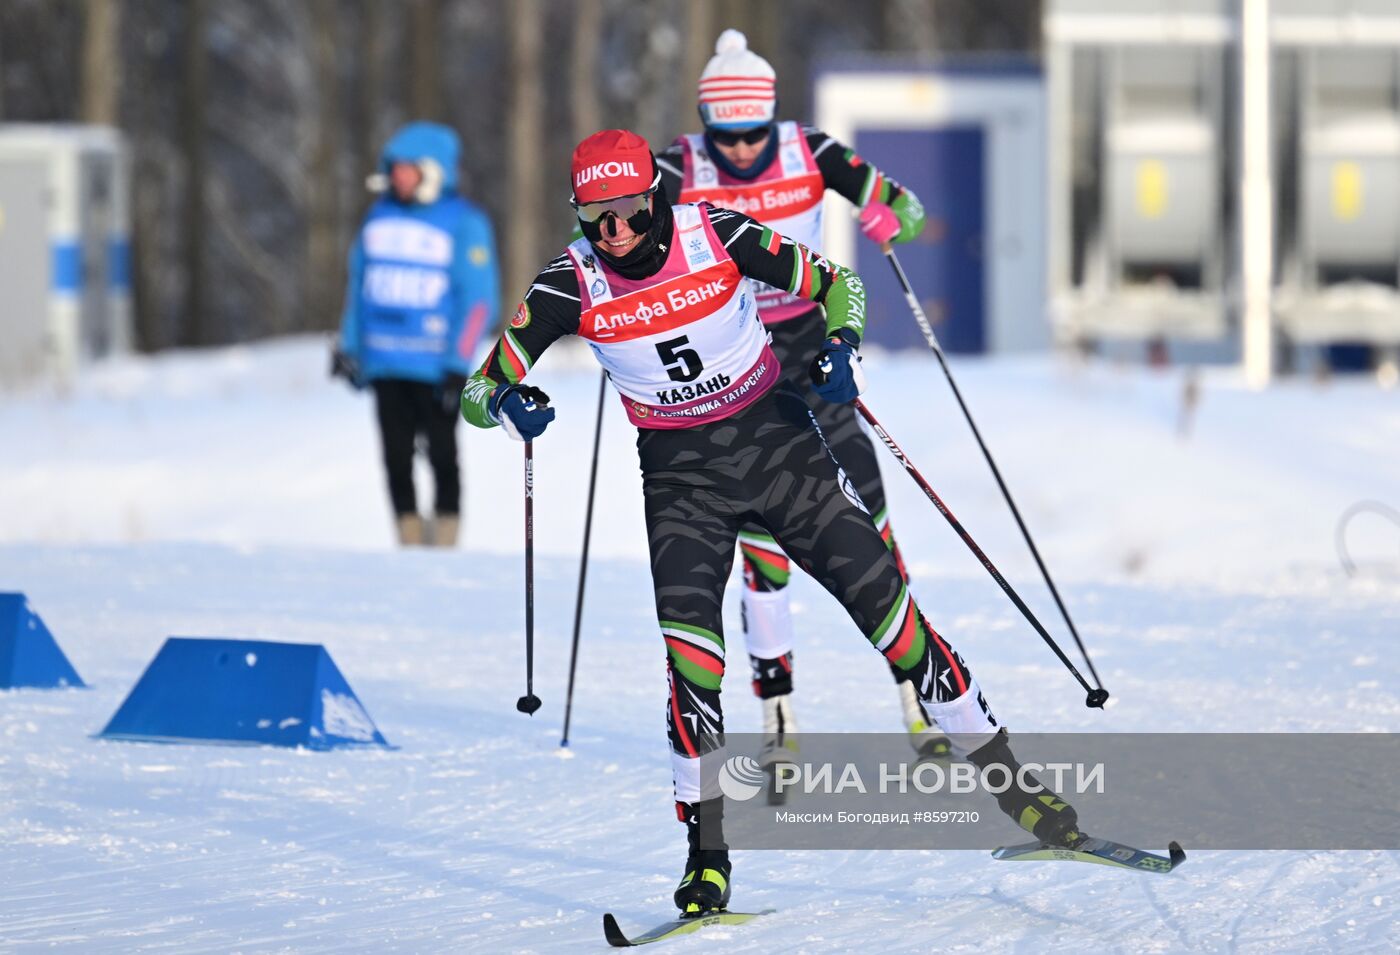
<point x="1043" y="814"/>
<point x="705" y="886"/>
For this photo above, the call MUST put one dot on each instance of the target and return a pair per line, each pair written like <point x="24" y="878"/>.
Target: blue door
<point x="945" y="265"/>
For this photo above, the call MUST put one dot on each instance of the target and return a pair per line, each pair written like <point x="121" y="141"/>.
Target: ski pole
<point x="583" y="561"/>
<point x="1096" y="697"/>
<point x="529" y="702"/>
<point x="937" y="349"/>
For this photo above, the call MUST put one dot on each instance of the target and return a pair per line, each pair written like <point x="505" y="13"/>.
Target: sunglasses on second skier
<point x="733" y="137"/>
<point x="624" y="207"/>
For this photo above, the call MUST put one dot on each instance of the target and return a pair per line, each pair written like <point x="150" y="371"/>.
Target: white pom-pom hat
<point x="738" y="88"/>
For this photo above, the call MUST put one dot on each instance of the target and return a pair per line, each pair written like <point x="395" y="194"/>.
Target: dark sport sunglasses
<point x="733" y="137"/>
<point x="624" y="207"/>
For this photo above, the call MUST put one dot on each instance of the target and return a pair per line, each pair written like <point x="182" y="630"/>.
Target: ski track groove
<point x="1275" y="873"/>
<point x="1168" y="919"/>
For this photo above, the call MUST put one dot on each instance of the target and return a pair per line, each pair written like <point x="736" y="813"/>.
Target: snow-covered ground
<point x="237" y="493"/>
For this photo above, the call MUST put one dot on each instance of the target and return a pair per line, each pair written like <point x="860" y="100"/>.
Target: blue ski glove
<point x="523" y="410"/>
<point x="836" y="373"/>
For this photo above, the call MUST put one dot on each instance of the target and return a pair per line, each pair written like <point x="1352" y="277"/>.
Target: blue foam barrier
<point x="243" y="691"/>
<point x="29" y="655"/>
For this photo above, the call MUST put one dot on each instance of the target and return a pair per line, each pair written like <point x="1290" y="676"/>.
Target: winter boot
<point x="924" y="735"/>
<point x="705" y="886"/>
<point x="1043" y="814"/>
<point x="445" y="530"/>
<point x="410" y="530"/>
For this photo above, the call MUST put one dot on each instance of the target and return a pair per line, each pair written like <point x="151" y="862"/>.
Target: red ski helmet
<point x="613" y="173"/>
<point x="612" y="163"/>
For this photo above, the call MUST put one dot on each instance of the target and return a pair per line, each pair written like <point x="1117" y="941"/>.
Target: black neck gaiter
<point x="649" y="255"/>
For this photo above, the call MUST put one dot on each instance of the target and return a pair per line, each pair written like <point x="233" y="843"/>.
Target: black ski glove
<point x="450" y="392"/>
<point x="344" y="365"/>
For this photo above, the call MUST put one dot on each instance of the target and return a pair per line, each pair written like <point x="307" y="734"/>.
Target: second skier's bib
<point x="786" y="197"/>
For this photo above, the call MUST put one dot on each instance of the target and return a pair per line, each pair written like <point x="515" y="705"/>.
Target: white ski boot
<point x="779" y="742"/>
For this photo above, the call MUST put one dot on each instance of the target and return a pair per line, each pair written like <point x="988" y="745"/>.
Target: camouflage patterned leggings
<point x="769" y="465"/>
<point x="795" y="343"/>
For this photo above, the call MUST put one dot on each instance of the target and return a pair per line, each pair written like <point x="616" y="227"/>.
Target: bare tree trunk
<point x="588" y="26"/>
<point x="425" y="83"/>
<point x="101" y="76"/>
<point x="916" y="25"/>
<point x="323" y="221"/>
<point x="193" y="97"/>
<point x="374" y="42"/>
<point x="739" y="14"/>
<point x="765" y="34"/>
<point x="145" y="225"/>
<point x="727" y="14"/>
<point x="771" y="41"/>
<point x="1031" y="26"/>
<point x="526" y="147"/>
<point x="658" y="64"/>
<point x="700" y="35"/>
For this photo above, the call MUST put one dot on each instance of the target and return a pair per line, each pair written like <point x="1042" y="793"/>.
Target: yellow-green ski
<point x="674" y="928"/>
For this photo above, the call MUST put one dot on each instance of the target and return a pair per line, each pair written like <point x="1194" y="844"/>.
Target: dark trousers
<point x="766" y="465"/>
<point x="795" y="343"/>
<point x="407" y="409"/>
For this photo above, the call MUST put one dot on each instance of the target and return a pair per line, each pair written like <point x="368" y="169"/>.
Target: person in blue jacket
<point x="423" y="288"/>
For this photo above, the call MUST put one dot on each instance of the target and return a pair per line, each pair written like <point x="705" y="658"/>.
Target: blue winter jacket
<point x="423" y="283"/>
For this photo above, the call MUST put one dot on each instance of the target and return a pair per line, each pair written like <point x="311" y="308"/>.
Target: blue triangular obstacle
<point x="243" y="691"/>
<point x="29" y="655"/>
